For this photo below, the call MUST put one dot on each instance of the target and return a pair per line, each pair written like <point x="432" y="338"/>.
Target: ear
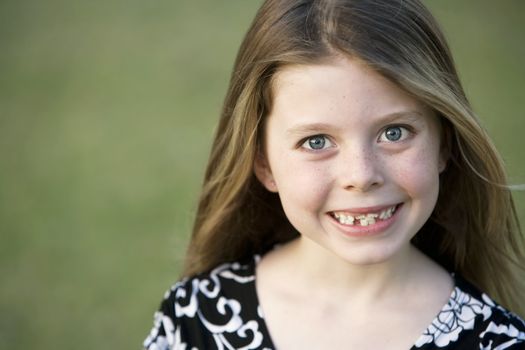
<point x="443" y="160"/>
<point x="262" y="171"/>
<point x="445" y="147"/>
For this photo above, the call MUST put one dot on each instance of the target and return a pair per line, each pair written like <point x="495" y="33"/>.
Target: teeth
<point x="364" y="219"/>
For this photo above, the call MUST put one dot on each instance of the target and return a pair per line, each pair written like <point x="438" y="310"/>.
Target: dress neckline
<point x="443" y="323"/>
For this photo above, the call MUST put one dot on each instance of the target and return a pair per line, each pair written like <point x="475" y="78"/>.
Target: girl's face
<point x="354" y="159"/>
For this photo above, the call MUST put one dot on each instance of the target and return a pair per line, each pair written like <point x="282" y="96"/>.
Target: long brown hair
<point x="474" y="229"/>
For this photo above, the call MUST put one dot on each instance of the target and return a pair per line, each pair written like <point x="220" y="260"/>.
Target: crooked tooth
<point x="365" y="219"/>
<point x="392" y="210"/>
<point x="387" y="213"/>
<point x="347" y="219"/>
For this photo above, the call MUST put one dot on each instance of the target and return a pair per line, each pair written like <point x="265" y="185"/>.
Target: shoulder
<point x="196" y="310"/>
<point x="224" y="286"/>
<point x="498" y="327"/>
<point x="471" y="319"/>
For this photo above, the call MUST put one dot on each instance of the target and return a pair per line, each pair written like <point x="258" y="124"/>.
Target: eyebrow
<point x="306" y="128"/>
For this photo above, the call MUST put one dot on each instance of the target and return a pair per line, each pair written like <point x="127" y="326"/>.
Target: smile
<point x="364" y="219"/>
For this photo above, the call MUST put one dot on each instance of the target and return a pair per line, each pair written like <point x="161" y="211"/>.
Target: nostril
<point x="362" y="186"/>
<point x="360" y="168"/>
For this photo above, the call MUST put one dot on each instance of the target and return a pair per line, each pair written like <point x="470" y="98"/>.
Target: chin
<point x="371" y="255"/>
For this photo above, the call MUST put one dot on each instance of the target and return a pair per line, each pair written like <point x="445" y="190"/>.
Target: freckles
<point x="306" y="185"/>
<point x="418" y="173"/>
<point x="321" y="181"/>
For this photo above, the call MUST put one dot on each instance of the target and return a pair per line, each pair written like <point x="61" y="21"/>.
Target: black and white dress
<point x="220" y="310"/>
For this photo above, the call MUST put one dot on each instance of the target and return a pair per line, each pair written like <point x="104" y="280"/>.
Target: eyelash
<point x="405" y="133"/>
<point x="304" y="143"/>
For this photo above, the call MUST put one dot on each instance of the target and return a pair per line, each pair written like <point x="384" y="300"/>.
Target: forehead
<point x="340" y="86"/>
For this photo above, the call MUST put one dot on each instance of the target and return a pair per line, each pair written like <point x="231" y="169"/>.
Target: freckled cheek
<point x="418" y="174"/>
<point x="302" y="184"/>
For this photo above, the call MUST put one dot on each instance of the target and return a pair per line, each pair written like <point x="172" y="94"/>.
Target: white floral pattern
<point x="458" y="315"/>
<point x="220" y="310"/>
<point x="204" y="303"/>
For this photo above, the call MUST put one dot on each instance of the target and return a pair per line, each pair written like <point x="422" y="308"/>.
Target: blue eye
<point x="317" y="142"/>
<point x="393" y="134"/>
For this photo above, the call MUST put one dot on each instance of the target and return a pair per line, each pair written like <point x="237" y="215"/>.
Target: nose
<point x="360" y="170"/>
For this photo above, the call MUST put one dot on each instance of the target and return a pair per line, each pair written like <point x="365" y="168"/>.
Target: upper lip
<point x="365" y="210"/>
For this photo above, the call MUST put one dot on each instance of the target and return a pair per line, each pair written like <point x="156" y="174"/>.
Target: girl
<point x="352" y="200"/>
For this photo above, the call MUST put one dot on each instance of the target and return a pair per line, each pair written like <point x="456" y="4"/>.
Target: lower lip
<point x="366" y="231"/>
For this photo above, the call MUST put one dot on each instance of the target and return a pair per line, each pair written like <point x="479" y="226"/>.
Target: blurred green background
<point x="107" y="109"/>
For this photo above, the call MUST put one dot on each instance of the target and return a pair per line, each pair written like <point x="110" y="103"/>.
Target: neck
<point x="336" y="277"/>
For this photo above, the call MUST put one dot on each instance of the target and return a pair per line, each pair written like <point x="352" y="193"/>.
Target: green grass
<point x="106" y="114"/>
